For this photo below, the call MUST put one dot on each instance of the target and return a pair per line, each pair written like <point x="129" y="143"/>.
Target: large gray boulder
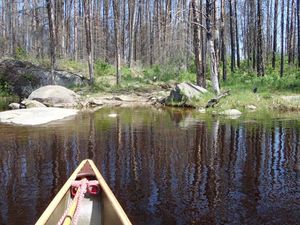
<point x="24" y="77"/>
<point x="184" y="94"/>
<point x="55" y="96"/>
<point x="35" y="116"/>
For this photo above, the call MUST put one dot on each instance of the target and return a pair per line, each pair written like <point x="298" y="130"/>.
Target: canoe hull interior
<point x="102" y="208"/>
<point x="90" y="210"/>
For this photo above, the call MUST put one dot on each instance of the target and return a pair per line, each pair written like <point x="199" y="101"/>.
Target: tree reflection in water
<point x="165" y="167"/>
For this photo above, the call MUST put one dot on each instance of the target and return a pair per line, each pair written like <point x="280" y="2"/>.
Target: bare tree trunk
<point x="151" y="35"/>
<point x="106" y="25"/>
<point x="59" y="32"/>
<point x="232" y="37"/>
<point x="298" y="18"/>
<point x="123" y="29"/>
<point x="211" y="48"/>
<point x="203" y="45"/>
<point x="288" y="25"/>
<point x="36" y="30"/>
<point x="260" y="63"/>
<point x="67" y="27"/>
<point x="294" y="35"/>
<point x="275" y="34"/>
<point x="132" y="25"/>
<point x="50" y="10"/>
<point x="13" y="28"/>
<point x="117" y="41"/>
<point x="200" y="76"/>
<point x="222" y="34"/>
<point x="282" y="39"/>
<point x="237" y="35"/>
<point x="268" y="27"/>
<point x="291" y="32"/>
<point x="75" y="31"/>
<point x="89" y="39"/>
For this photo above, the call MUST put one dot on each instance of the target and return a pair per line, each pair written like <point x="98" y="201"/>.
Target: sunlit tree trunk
<point x="211" y="48"/>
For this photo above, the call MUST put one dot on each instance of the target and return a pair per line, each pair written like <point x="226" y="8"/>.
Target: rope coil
<point x="71" y="214"/>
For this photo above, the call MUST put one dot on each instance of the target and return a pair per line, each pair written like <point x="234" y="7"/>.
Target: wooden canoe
<point x="102" y="208"/>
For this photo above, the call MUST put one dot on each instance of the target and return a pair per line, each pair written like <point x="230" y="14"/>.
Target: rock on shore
<point x="55" y="96"/>
<point x="35" y="116"/>
<point x="183" y="94"/>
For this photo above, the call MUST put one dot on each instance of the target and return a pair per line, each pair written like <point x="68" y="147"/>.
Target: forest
<point x="219" y="42"/>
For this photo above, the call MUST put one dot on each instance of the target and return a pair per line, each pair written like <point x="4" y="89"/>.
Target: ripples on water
<point x="165" y="167"/>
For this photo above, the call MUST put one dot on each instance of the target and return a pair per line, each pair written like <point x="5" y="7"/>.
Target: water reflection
<point x="165" y="167"/>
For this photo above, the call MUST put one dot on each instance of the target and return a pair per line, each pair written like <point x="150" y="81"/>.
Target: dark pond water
<point x="165" y="167"/>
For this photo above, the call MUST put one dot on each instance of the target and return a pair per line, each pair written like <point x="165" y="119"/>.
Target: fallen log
<point x="212" y="102"/>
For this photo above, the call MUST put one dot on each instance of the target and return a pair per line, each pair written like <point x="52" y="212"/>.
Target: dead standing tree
<point x="51" y="20"/>
<point x="275" y="34"/>
<point x="196" y="43"/>
<point x="211" y="48"/>
<point x="117" y="39"/>
<point x="222" y="38"/>
<point x="260" y="63"/>
<point x="89" y="39"/>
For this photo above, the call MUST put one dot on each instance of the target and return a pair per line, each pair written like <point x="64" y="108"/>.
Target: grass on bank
<point x="241" y="82"/>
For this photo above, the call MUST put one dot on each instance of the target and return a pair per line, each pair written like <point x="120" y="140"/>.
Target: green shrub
<point x="103" y="69"/>
<point x="21" y="53"/>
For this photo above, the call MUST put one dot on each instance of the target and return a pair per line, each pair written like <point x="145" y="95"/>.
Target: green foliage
<point x="4" y="88"/>
<point x="187" y="76"/>
<point x="271" y="82"/>
<point x="21" y="53"/>
<point x="169" y="73"/>
<point x="152" y="73"/>
<point x="72" y="66"/>
<point x="103" y="69"/>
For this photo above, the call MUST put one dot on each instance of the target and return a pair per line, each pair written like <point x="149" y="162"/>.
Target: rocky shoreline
<point x="53" y="102"/>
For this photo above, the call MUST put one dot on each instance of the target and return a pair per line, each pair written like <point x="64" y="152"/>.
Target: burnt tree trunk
<point x="196" y="42"/>
<point x="275" y="34"/>
<point x="298" y="28"/>
<point x="237" y="35"/>
<point x="89" y="39"/>
<point x="232" y="37"/>
<point x="260" y="63"/>
<point x="222" y="34"/>
<point x="117" y="39"/>
<point x="282" y="39"/>
<point x="50" y="10"/>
